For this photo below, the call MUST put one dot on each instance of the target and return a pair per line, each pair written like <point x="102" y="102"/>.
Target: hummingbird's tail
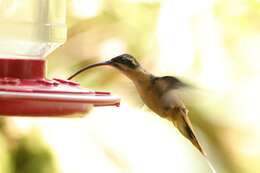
<point x="182" y="122"/>
<point x="210" y="165"/>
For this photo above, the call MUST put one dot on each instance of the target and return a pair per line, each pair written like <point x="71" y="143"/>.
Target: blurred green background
<point x="213" y="44"/>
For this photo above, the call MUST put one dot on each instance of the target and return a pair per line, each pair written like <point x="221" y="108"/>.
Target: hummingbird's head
<point x="124" y="62"/>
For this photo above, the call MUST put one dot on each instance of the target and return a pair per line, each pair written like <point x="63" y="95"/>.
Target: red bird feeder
<point x="24" y="90"/>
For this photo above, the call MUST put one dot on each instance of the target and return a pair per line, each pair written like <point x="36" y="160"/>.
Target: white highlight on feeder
<point x="86" y="8"/>
<point x="8" y="8"/>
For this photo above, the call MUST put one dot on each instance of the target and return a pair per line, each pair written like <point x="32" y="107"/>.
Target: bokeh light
<point x="111" y="48"/>
<point x="86" y="8"/>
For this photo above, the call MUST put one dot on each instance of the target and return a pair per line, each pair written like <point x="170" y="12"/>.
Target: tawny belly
<point x="152" y="101"/>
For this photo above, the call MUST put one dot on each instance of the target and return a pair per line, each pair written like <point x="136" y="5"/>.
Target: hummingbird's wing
<point x="166" y="83"/>
<point x="169" y="82"/>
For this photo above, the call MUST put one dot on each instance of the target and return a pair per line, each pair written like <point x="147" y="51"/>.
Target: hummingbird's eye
<point x="128" y="62"/>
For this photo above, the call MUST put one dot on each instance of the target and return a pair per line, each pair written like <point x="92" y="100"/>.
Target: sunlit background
<point x="212" y="44"/>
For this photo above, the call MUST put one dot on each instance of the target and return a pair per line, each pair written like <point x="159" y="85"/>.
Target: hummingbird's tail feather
<point x="210" y="166"/>
<point x="183" y="124"/>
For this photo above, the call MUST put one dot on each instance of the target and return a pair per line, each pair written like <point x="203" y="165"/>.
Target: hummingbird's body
<point x="158" y="93"/>
<point x="161" y="96"/>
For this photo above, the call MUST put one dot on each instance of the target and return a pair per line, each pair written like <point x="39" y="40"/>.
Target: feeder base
<point x="25" y="92"/>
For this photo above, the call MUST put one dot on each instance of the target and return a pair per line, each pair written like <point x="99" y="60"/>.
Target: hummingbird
<point x="158" y="93"/>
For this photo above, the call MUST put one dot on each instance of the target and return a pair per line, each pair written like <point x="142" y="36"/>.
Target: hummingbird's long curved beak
<point x="109" y="62"/>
